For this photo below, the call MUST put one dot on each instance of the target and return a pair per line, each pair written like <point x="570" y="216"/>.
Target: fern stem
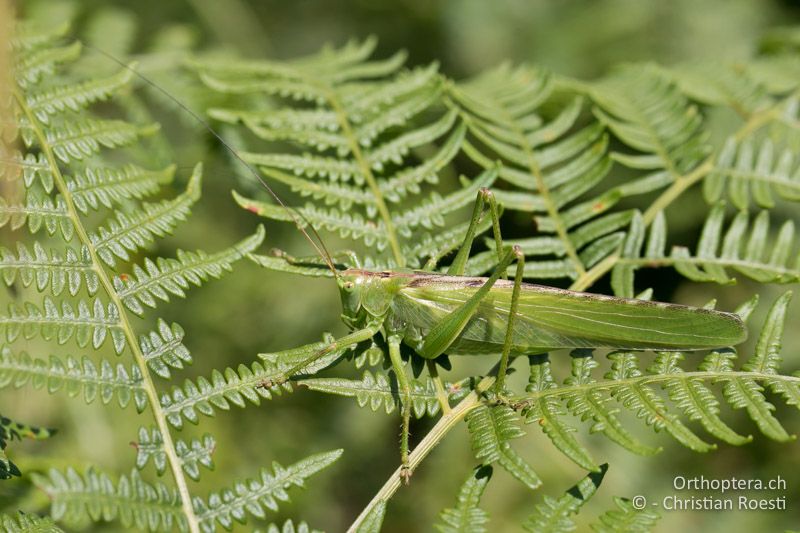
<point x="147" y="380"/>
<point x="596" y="272"/>
<point x="678" y="187"/>
<point x="431" y="440"/>
<point x="366" y="171"/>
<point x="674" y="191"/>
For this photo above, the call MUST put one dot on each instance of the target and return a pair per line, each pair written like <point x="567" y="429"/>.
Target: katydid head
<point x="351" y="290"/>
<point x="367" y="295"/>
<point x="350" y="293"/>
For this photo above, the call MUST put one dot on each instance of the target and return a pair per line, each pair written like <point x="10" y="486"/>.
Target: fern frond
<point x="593" y="404"/>
<point x="694" y="399"/>
<point x="335" y="66"/>
<point x="81" y="139"/>
<point x="30" y="167"/>
<point x="33" y="62"/>
<point x="75" y="377"/>
<point x="382" y="97"/>
<point x="766" y="359"/>
<point x="128" y="232"/>
<point x="107" y="186"/>
<point x="744" y="247"/>
<point x="548" y="413"/>
<point x="491" y="429"/>
<point x="408" y="180"/>
<point x="309" y="166"/>
<point x="318" y="139"/>
<point x="551" y="167"/>
<point x="647" y="112"/>
<point x="595" y="240"/>
<point x="67" y="177"/>
<point x="162" y="277"/>
<point x="375" y="355"/>
<point x="39" y="212"/>
<point x="505" y="96"/>
<point x="626" y="518"/>
<point x="255" y="496"/>
<point x="348" y="225"/>
<point x="330" y="193"/>
<point x="467" y="517"/>
<point x="431" y="211"/>
<point x="719" y="84"/>
<point x="193" y="454"/>
<point x="63" y="144"/>
<point x="88" y="323"/>
<point x="378" y="135"/>
<point x="647" y="404"/>
<point x="52" y="269"/>
<point x="30" y="35"/>
<point x="55" y="100"/>
<point x="767" y="356"/>
<point x="219" y="392"/>
<point x="163" y="348"/>
<point x="747" y="394"/>
<point x="279" y="119"/>
<point x="753" y="172"/>
<point x="553" y="514"/>
<point x="94" y="496"/>
<point x="396" y="150"/>
<point x="28" y="523"/>
<point x="378" y="390"/>
<point x="375" y="123"/>
<point x="244" y="384"/>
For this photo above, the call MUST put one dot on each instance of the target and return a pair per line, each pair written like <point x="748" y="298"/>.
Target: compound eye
<point x="349" y="285"/>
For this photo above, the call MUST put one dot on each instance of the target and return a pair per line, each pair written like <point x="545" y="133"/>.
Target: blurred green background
<point x="251" y="311"/>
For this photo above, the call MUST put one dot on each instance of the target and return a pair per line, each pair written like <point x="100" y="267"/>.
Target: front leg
<point x="353" y="338"/>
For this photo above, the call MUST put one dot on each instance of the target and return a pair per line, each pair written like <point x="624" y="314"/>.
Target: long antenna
<point x="297" y="217"/>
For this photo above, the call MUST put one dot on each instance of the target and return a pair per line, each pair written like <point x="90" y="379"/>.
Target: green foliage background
<point x="255" y="311"/>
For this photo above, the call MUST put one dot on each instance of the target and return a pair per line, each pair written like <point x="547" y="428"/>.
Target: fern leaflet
<point x="467" y="516"/>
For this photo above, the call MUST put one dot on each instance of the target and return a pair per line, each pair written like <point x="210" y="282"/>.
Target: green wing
<point x="549" y="318"/>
